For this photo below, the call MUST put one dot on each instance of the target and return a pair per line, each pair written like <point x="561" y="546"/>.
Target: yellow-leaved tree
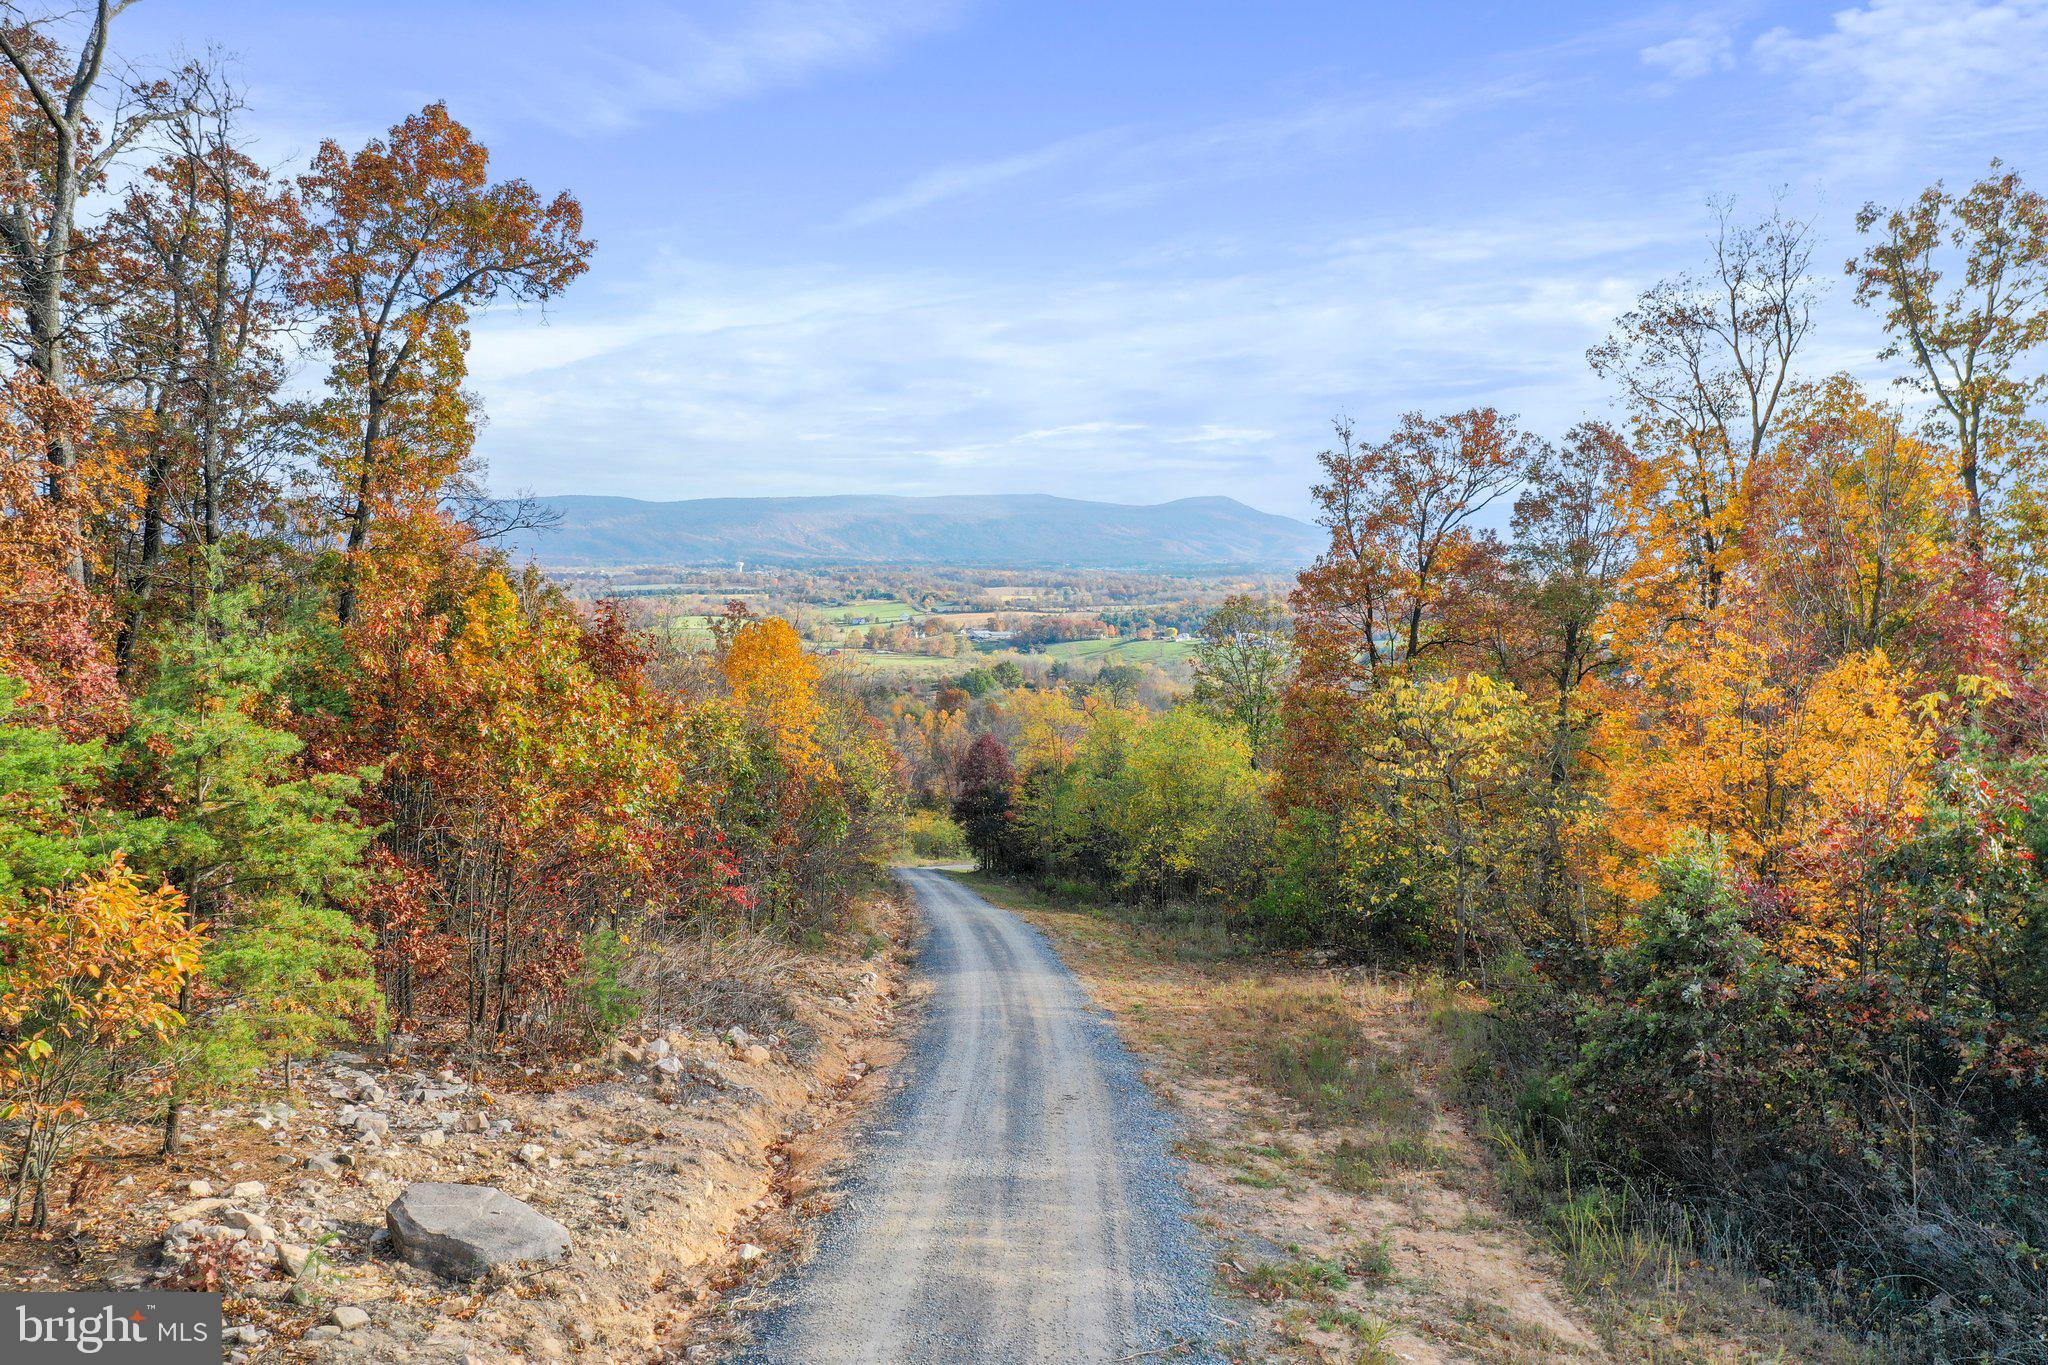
<point x="90" y="980"/>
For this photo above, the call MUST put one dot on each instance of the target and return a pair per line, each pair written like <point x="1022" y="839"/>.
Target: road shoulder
<point x="1361" y="1219"/>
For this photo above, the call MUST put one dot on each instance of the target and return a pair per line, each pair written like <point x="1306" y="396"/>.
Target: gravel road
<point x="1017" y="1200"/>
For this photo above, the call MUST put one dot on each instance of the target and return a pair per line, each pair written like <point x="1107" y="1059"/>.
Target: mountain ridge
<point x="992" y="530"/>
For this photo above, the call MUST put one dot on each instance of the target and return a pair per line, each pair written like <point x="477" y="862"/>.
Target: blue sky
<point x="1128" y="250"/>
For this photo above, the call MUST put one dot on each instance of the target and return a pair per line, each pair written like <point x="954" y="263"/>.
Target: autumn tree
<point x="1962" y="283"/>
<point x="1857" y="532"/>
<point x="1402" y="521"/>
<point x="1397" y="586"/>
<point x="987" y="784"/>
<point x="90" y="977"/>
<point x="1571" y="550"/>
<point x="1186" y="810"/>
<point x="1241" y="663"/>
<point x="53" y="152"/>
<point x="1448" y="771"/>
<point x="1707" y="361"/>
<point x="192" y="264"/>
<point x="409" y="239"/>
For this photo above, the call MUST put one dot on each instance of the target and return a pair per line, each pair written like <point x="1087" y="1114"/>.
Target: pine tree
<point x="263" y="852"/>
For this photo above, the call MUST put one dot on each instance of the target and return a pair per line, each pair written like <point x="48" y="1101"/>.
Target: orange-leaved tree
<point x="91" y="975"/>
<point x="410" y="237"/>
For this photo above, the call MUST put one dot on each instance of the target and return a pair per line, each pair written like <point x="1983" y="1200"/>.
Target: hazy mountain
<point x="996" y="530"/>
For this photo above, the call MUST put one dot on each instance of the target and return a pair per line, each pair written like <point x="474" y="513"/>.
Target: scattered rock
<point x="756" y="1055"/>
<point x="472" y="1122"/>
<point x="293" y="1259"/>
<point x="248" y="1189"/>
<point x="463" y="1231"/>
<point x="433" y="1137"/>
<point x="372" y="1127"/>
<point x="200" y="1189"/>
<point x="750" y="1253"/>
<point x="255" y="1224"/>
<point x="323" y="1165"/>
<point x="348" y="1317"/>
<point x="198" y="1208"/>
<point x="531" y="1153"/>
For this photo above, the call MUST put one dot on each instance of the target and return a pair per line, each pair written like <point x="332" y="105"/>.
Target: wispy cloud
<point x="1119" y="168"/>
<point x="652" y="58"/>
<point x="1132" y="386"/>
<point x="970" y="178"/>
<point x="1897" y="76"/>
<point x="1706" y="46"/>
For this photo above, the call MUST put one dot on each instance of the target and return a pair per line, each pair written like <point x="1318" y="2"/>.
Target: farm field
<point x="1160" y="652"/>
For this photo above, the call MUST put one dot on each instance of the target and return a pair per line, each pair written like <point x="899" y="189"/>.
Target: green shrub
<point x="933" y="834"/>
<point x="604" y="1003"/>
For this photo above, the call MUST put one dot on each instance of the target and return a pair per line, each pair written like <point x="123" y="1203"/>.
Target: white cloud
<point x="1124" y="169"/>
<point x="1137" y="386"/>
<point x="680" y="57"/>
<point x="1896" y="78"/>
<point x="1706" y="46"/>
<point x="969" y="178"/>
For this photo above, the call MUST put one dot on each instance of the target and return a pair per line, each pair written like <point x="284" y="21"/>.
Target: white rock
<point x="255" y="1224"/>
<point x="200" y="1189"/>
<point x="348" y="1317"/>
<point x="531" y="1153"/>
<point x="750" y="1254"/>
<point x="248" y="1189"/>
<point x="433" y="1137"/>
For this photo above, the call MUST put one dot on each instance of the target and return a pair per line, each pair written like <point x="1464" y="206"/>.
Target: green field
<point x="883" y="661"/>
<point x="1122" y="651"/>
<point x="885" y="612"/>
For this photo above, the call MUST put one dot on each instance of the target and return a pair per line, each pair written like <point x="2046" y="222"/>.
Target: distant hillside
<point x="994" y="530"/>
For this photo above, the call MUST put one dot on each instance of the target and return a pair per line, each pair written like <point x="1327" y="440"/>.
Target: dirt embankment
<point x="1361" y="1216"/>
<point x="681" y="1163"/>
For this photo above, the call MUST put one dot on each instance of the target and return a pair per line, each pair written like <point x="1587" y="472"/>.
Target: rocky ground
<point x="633" y="1190"/>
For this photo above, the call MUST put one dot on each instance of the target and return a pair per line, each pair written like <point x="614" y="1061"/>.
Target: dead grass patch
<point x="1363" y="1220"/>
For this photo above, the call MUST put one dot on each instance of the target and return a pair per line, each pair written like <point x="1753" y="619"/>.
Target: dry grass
<point x="714" y="981"/>
<point x="1363" y="1219"/>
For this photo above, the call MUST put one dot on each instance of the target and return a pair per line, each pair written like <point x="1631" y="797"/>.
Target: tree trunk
<point x="359" y="515"/>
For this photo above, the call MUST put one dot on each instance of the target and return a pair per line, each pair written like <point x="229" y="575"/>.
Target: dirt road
<point x="1018" y="1201"/>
